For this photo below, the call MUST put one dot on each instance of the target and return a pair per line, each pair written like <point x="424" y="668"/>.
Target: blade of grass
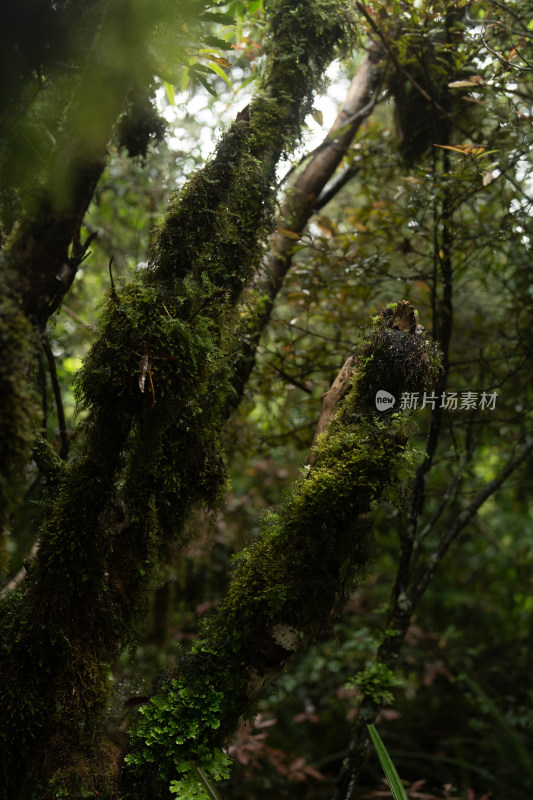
<point x="393" y="779"/>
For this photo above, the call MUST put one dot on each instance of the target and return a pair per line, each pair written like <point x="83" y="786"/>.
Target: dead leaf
<point x="288" y="234"/>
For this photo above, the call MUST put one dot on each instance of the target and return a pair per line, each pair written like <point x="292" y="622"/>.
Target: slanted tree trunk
<point x="158" y="387"/>
<point x="41" y="253"/>
<point x="287" y="583"/>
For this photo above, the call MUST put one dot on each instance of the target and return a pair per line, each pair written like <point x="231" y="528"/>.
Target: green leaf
<point x="220" y="72"/>
<point x="393" y="779"/>
<point x="184" y="80"/>
<point x="218" y="16"/>
<point x="214" y="41"/>
<point x="318" y="116"/>
<point x="205" y="84"/>
<point x="199" y="68"/>
<point x="169" y="91"/>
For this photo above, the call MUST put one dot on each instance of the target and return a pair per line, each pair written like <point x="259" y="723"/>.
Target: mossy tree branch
<point x="300" y="203"/>
<point x="149" y="456"/>
<point x="47" y="185"/>
<point x="18" y="402"/>
<point x="286" y="584"/>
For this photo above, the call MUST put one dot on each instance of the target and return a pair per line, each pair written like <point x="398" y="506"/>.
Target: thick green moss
<point x="214" y="225"/>
<point x="311" y="32"/>
<point x="17" y="404"/>
<point x="158" y="387"/>
<point x="287" y="582"/>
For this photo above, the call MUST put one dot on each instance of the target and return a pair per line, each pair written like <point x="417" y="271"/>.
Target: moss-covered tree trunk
<point x="306" y="195"/>
<point x="288" y="582"/>
<point x="158" y="386"/>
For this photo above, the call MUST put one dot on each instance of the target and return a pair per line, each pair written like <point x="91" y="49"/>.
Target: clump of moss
<point x="139" y="125"/>
<point x="93" y="773"/>
<point x="310" y="33"/>
<point x="408" y="362"/>
<point x="190" y="222"/>
<point x="215" y="224"/>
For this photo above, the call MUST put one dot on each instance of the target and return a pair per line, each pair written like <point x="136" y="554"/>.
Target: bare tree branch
<point x="421" y="582"/>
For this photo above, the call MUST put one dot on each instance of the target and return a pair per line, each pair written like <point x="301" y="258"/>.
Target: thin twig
<point x="505" y="60"/>
<point x="335" y="185"/>
<point x="113" y="290"/>
<point x="44" y="393"/>
<point x="63" y="433"/>
<point x="329" y="141"/>
<point x="21" y="574"/>
<point x="449" y="494"/>
<point x="77" y="318"/>
<point x="464" y="518"/>
<point x="293" y="381"/>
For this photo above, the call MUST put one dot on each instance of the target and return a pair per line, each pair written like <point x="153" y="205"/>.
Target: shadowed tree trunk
<point x="119" y="504"/>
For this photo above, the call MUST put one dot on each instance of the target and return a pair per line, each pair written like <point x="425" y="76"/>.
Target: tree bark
<point x="40" y="255"/>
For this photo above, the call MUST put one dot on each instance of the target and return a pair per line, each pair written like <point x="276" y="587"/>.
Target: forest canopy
<point x="266" y="435"/>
